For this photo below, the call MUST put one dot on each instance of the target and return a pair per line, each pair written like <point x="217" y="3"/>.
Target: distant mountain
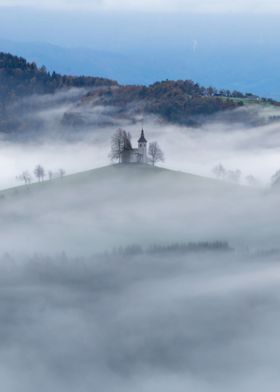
<point x="75" y="61"/>
<point x="19" y="78"/>
<point x="98" y="101"/>
<point x="248" y="67"/>
<point x="180" y="102"/>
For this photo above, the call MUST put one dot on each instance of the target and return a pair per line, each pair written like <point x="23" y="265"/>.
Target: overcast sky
<point x="151" y="39"/>
<point x="205" y="6"/>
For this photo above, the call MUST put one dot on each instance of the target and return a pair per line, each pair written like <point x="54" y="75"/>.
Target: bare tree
<point x="127" y="141"/>
<point x="228" y="175"/>
<point x="61" y="173"/>
<point x="120" y="142"/>
<point x="234" y="176"/>
<point x="155" y="153"/>
<point x="25" y="177"/>
<point x="117" y="145"/>
<point x="39" y="172"/>
<point x="220" y="172"/>
<point x="251" y="180"/>
<point x="50" y="175"/>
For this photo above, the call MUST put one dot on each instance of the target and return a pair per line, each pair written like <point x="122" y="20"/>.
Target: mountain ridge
<point x="182" y="102"/>
<point x="145" y="66"/>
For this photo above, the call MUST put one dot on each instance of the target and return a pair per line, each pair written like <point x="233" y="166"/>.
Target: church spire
<point x="142" y="137"/>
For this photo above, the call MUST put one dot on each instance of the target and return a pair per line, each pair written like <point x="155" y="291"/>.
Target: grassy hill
<point x="117" y="205"/>
<point x="120" y="176"/>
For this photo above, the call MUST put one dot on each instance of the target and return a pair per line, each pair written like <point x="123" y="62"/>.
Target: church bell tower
<point x="142" y="148"/>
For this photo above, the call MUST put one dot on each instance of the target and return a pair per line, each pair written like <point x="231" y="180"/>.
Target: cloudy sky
<point x="150" y="40"/>
<point x="207" y="6"/>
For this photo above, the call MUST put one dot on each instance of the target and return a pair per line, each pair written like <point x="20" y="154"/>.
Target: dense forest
<point x="19" y="78"/>
<point x="174" y="101"/>
<point x="181" y="102"/>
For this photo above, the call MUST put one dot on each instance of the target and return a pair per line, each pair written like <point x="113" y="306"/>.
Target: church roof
<point x="142" y="138"/>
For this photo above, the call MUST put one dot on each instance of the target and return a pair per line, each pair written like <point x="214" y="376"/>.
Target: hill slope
<point x="118" y="177"/>
<point x="118" y="205"/>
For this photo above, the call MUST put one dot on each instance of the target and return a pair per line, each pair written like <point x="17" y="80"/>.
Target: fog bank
<point x="206" y="322"/>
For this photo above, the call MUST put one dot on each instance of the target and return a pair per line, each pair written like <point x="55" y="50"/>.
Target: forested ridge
<point x="19" y="78"/>
<point x="174" y="101"/>
<point x="182" y="102"/>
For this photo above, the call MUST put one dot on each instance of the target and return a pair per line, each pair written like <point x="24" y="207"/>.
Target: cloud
<point x="202" y="323"/>
<point x="254" y="150"/>
<point x="203" y="6"/>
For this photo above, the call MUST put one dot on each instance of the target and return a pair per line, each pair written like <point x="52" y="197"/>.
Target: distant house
<point x="136" y="155"/>
<point x="253" y="97"/>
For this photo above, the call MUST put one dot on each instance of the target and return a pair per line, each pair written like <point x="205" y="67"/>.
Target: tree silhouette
<point x="25" y="177"/>
<point x="39" y="173"/>
<point x="61" y="173"/>
<point x="120" y="142"/>
<point x="155" y="152"/>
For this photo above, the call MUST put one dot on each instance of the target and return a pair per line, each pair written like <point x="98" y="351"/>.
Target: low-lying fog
<point x="72" y="320"/>
<point x="199" y="322"/>
<point x="255" y="151"/>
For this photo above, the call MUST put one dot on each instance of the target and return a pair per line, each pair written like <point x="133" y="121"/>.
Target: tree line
<point x="40" y="174"/>
<point x="182" y="101"/>
<point x="174" y="248"/>
<point x="18" y="77"/>
<point x="237" y="177"/>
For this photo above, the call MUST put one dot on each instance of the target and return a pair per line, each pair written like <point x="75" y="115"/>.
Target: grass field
<point x="97" y="177"/>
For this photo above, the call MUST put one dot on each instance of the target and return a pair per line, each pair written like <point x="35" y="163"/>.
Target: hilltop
<point x="26" y="91"/>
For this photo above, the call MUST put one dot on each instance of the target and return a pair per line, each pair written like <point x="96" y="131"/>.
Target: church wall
<point x="130" y="156"/>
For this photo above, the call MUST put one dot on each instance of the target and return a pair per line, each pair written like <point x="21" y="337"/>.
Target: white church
<point x="136" y="155"/>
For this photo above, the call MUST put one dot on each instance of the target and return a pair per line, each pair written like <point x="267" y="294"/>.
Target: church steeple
<point x="142" y="137"/>
<point x="142" y="148"/>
